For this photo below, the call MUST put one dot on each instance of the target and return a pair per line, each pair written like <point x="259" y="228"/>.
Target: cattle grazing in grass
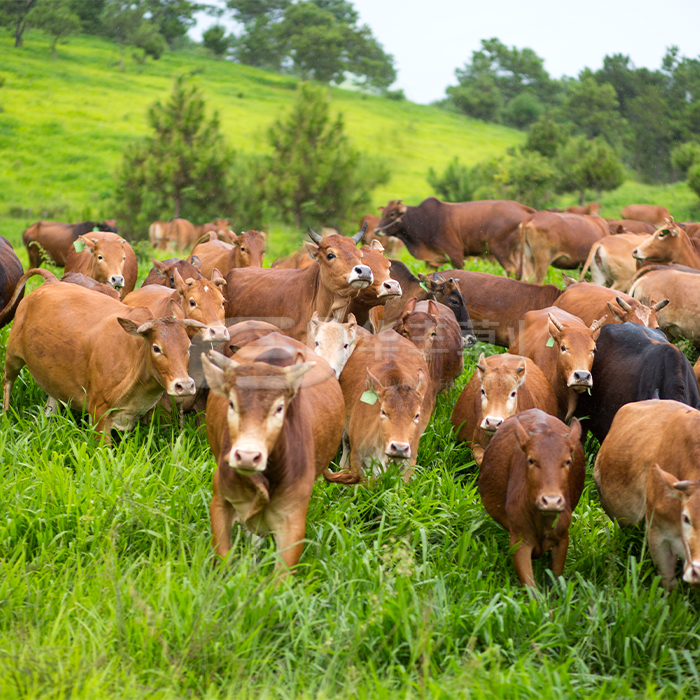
<point x="274" y="423"/>
<point x="610" y="260"/>
<point x="10" y="274"/>
<point x="245" y="250"/>
<point x="648" y="470"/>
<point x="440" y="232"/>
<point x="531" y="479"/>
<point x="107" y="258"/>
<point x="52" y="240"/>
<point x="649" y="213"/>
<point x="162" y="271"/>
<point x="502" y="386"/>
<point x="634" y="363"/>
<point x="670" y="244"/>
<point x="563" y="347"/>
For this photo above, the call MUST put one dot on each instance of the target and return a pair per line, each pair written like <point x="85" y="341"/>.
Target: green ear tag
<point x="79" y="245"/>
<point x="550" y="342"/>
<point x="352" y="342"/>
<point x="95" y="229"/>
<point x="370" y="396"/>
<point x="424" y="286"/>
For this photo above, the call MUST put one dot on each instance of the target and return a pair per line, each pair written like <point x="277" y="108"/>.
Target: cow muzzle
<point x="360" y="277"/>
<point x="550" y="503"/>
<point x="691" y="573"/>
<point x="117" y="281"/>
<point x="398" y="450"/>
<point x="390" y="288"/>
<point x="248" y="457"/>
<point x="216" y="334"/>
<point x="468" y="340"/>
<point x="491" y="423"/>
<point x="580" y="380"/>
<point x="182" y="387"/>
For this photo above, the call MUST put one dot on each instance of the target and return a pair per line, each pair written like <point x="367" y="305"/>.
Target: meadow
<point x="108" y="586"/>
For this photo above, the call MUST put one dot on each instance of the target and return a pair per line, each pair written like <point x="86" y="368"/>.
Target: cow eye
<point x="563" y="348"/>
<point x="123" y="258"/>
<point x="453" y="302"/>
<point x="513" y="394"/>
<point x="483" y="392"/>
<point x="100" y="257"/>
<point x="416" y="417"/>
<point x="230" y="405"/>
<point x="317" y="343"/>
<point x="346" y="346"/>
<point x="193" y="303"/>
<point x="242" y="249"/>
<point x="157" y="350"/>
<point x="279" y="410"/>
<point x="330" y="256"/>
<point x="686" y="518"/>
<point x="531" y="461"/>
<point x="383" y="414"/>
<point x="223" y="304"/>
<point x="433" y="334"/>
<point x="567" y="464"/>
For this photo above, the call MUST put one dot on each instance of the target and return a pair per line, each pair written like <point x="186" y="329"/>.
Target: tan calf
<point x="670" y="244"/>
<point x="610" y="260"/>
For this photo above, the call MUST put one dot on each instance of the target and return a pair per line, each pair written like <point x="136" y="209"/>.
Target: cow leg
<point x="103" y="418"/>
<point x="289" y="538"/>
<point x="222" y="515"/>
<point x="665" y="559"/>
<point x="51" y="407"/>
<point x="13" y="366"/>
<point x="478" y="452"/>
<point x="522" y="560"/>
<point x="559" y="551"/>
<point x="346" y="451"/>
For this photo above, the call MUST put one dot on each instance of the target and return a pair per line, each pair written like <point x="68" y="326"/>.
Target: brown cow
<point x="162" y="271"/>
<point x="530" y="481"/>
<point x="692" y="229"/>
<point x="618" y="226"/>
<point x="274" y="423"/>
<point x="656" y="479"/>
<point x="10" y="274"/>
<point x="589" y="208"/>
<point x="387" y="406"/>
<point x="392" y="245"/>
<point x="496" y="304"/>
<point x="610" y="260"/>
<point x="561" y="240"/>
<point x="563" y="347"/>
<point x="502" y="386"/>
<point x="432" y="328"/>
<point x="670" y="244"/>
<point x="591" y="301"/>
<point x="53" y="240"/>
<point x="681" y="318"/>
<point x="646" y="212"/>
<point x="246" y="250"/>
<point x="158" y="234"/>
<point x="440" y="232"/>
<point x="85" y="349"/>
<point x="288" y="298"/>
<point x="107" y="258"/>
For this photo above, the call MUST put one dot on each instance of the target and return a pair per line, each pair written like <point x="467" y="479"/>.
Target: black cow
<point x="10" y="272"/>
<point x="634" y="363"/>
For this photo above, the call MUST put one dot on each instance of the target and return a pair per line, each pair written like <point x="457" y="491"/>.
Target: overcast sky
<point x="430" y="38"/>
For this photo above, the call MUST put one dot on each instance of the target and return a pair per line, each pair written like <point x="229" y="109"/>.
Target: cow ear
<point x="433" y="309"/>
<point x="373" y="382"/>
<point x="196" y="261"/>
<point x="402" y="208"/>
<point x="665" y="482"/>
<point x="427" y="283"/>
<point x="217" y="278"/>
<point x="180" y="285"/>
<point x="91" y="243"/>
<point x="295" y="373"/>
<point x="554" y="331"/>
<point x="159" y="267"/>
<point x="521" y="435"/>
<point x="315" y="320"/>
<point x="481" y="364"/>
<point x="376" y="245"/>
<point x="352" y="324"/>
<point x="129" y="326"/>
<point x="312" y="248"/>
<point x="422" y="384"/>
<point x="410" y="307"/>
<point x="568" y="281"/>
<point x="235" y="241"/>
<point x="174" y="309"/>
<point x="575" y="432"/>
<point x="614" y="313"/>
<point x="521" y="371"/>
<point x="214" y="376"/>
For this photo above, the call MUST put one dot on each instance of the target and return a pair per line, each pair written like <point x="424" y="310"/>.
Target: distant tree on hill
<point x="57" y="18"/>
<point x="455" y="184"/>
<point x="181" y="169"/>
<point x="546" y="136"/>
<point x="216" y="41"/>
<point x="13" y="14"/>
<point x="172" y="18"/>
<point x="594" y="108"/>
<point x="685" y="156"/>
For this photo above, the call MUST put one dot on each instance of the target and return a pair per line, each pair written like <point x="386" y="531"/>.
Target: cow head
<point x="635" y="312"/>
<point x="108" y="225"/>
<point x="333" y="341"/>
<point x="258" y="395"/>
<point x="447" y="292"/>
<point x="419" y="327"/>
<point x="342" y="268"/>
<point x="674" y="506"/>
<point x="665" y="246"/>
<point x="399" y="407"/>
<point x="499" y="390"/>
<point x="203" y="301"/>
<point x="383" y="286"/>
<point x="167" y="354"/>
<point x="251" y="247"/>
<point x="165" y="269"/>
<point x="391" y="216"/>
<point x="549" y="455"/>
<point x="108" y="256"/>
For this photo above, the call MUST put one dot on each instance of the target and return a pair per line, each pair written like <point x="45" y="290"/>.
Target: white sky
<point x="430" y="38"/>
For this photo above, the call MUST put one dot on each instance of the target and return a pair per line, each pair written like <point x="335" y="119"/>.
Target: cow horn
<point x="623" y="304"/>
<point x="314" y="236"/>
<point x="191" y="323"/>
<point x="221" y="361"/>
<point x="597" y="324"/>
<point x="358" y="236"/>
<point x="146" y="326"/>
<point x="661" y="304"/>
<point x="556" y="322"/>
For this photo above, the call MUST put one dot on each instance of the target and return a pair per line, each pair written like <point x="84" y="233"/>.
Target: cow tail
<point x="523" y="237"/>
<point x="589" y="260"/>
<point x="7" y="313"/>
<point x="206" y="235"/>
<point x="345" y="476"/>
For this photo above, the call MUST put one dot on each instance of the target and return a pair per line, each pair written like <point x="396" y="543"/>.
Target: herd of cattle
<point x="340" y="345"/>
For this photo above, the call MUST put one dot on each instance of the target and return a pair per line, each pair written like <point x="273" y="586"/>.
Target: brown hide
<point x="274" y="423"/>
<point x="646" y="212"/>
<point x="158" y="234"/>
<point x="182" y="234"/>
<point x="389" y="429"/>
<point x="501" y="386"/>
<point x="669" y="245"/>
<point x="107" y="258"/>
<point x="10" y="274"/>
<point x="611" y="262"/>
<point x="496" y="304"/>
<point x="618" y="226"/>
<point x="655" y="479"/>
<point x="567" y="361"/>
<point x="392" y="246"/>
<point x="590" y="208"/>
<point x="85" y="348"/>
<point x="289" y="298"/>
<point x="440" y="232"/>
<point x="530" y="481"/>
<point x="692" y="229"/>
<point x="162" y="272"/>
<point x="591" y="301"/>
<point x="89" y="283"/>
<point x="562" y="240"/>
<point x="246" y="250"/>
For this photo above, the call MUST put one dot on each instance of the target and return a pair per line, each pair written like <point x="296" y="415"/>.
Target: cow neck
<point x="140" y="375"/>
<point x="325" y="302"/>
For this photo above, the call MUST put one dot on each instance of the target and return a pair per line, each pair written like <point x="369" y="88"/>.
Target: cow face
<point x="251" y="248"/>
<point x="108" y="257"/>
<point x="399" y="415"/>
<point x="203" y="301"/>
<point x="420" y="328"/>
<point x="342" y="268"/>
<point x="258" y="395"/>
<point x="333" y="341"/>
<point x="383" y="286"/>
<point x="499" y="391"/>
<point x="575" y="348"/>
<point x="549" y="456"/>
<point x="391" y="217"/>
<point x="447" y="292"/>
<point x="664" y="246"/>
<point x="167" y="352"/>
<point x="165" y="270"/>
<point x="636" y="312"/>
